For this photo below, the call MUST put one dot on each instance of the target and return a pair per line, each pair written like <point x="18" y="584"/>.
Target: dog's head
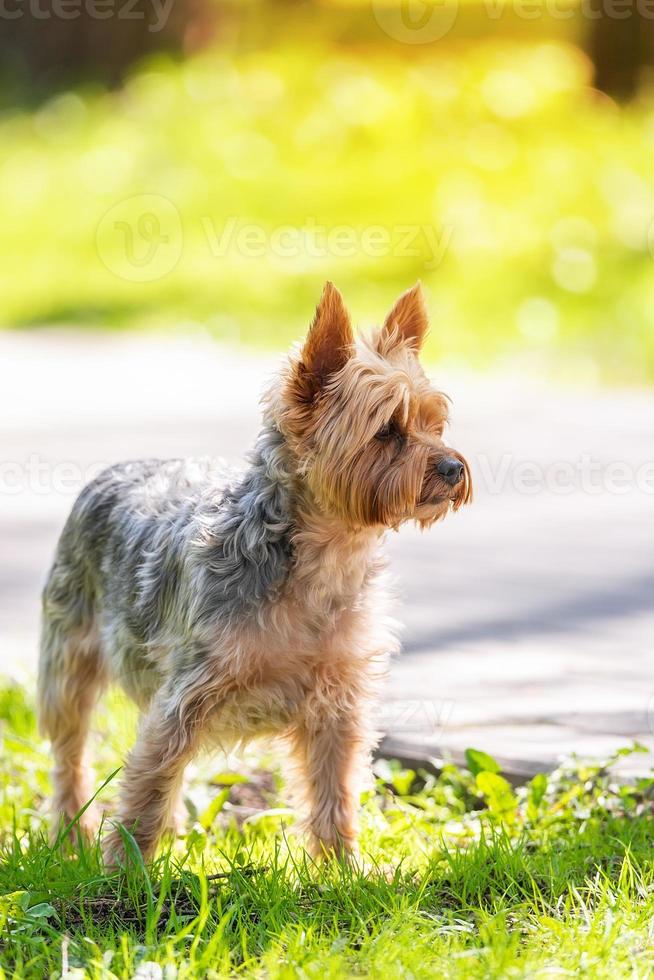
<point x="366" y="425"/>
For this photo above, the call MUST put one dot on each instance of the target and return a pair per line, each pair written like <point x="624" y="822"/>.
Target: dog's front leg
<point x="332" y="750"/>
<point x="152" y="777"/>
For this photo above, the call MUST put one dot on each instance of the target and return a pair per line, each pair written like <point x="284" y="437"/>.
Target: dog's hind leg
<point x="71" y="678"/>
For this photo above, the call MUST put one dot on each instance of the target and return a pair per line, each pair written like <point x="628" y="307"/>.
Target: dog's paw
<point x="340" y="849"/>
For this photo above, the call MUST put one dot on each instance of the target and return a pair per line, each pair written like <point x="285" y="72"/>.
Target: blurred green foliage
<point x="489" y="169"/>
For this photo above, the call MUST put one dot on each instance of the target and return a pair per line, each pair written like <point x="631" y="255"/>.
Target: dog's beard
<point x="370" y="493"/>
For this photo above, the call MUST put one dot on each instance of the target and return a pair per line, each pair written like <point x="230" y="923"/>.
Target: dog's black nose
<point x="450" y="469"/>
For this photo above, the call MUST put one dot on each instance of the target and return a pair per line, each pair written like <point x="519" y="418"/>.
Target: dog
<point x="234" y="605"/>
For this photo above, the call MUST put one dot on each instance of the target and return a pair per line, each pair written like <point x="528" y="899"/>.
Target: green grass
<point x="464" y="878"/>
<point x="488" y="168"/>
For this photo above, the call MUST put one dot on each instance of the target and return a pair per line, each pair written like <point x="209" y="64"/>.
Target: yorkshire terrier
<point x="231" y="605"/>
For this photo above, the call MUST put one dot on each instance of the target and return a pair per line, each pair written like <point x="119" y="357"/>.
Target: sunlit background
<point x="178" y="178"/>
<point x="177" y="181"/>
<point x="214" y="163"/>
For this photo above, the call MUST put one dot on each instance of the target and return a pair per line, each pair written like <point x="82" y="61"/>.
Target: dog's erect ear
<point x="408" y="319"/>
<point x="329" y="343"/>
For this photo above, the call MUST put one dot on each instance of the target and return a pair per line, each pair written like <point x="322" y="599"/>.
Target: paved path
<point x="529" y="617"/>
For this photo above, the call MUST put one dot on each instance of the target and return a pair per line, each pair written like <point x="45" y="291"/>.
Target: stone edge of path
<point x="425" y="755"/>
<point x="430" y="757"/>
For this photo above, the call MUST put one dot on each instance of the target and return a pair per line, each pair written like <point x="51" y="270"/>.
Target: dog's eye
<point x="388" y="431"/>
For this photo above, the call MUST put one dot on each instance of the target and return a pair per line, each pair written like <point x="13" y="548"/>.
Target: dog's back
<point x="117" y="568"/>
